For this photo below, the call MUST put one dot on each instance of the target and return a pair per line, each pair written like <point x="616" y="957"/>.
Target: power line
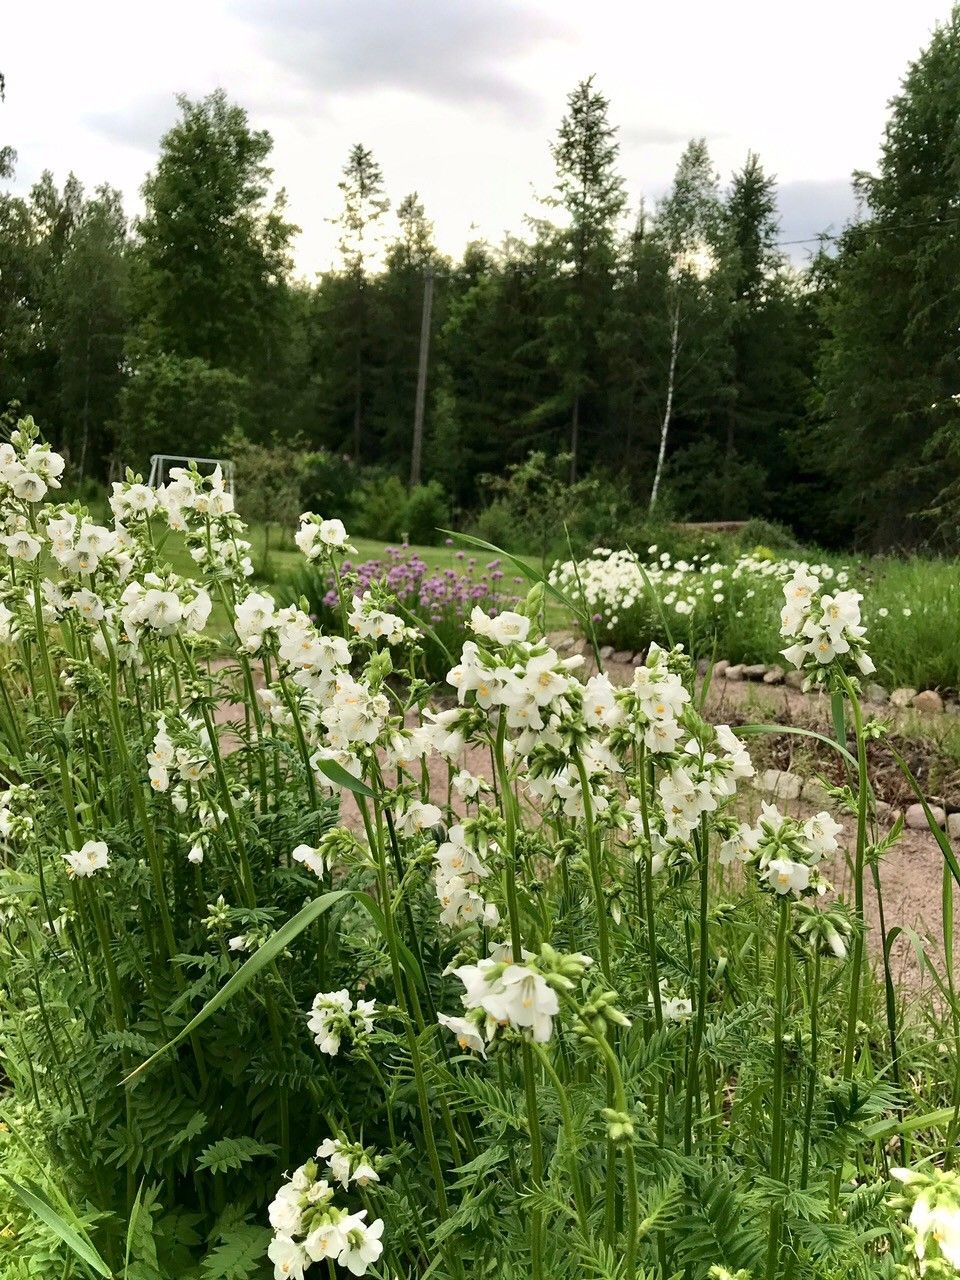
<point x="896" y="226"/>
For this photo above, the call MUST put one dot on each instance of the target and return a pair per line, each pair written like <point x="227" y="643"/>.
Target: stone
<point x="606" y="653"/>
<point x="815" y="793"/>
<point x="886" y="814"/>
<point x="953" y="826"/>
<point x="639" y="659"/>
<point x="902" y="697"/>
<point x="774" y="675"/>
<point x="928" y="701"/>
<point x="952" y="708"/>
<point x="916" y="819"/>
<point x="734" y="673"/>
<point x="623" y="656"/>
<point x="876" y="693"/>
<point x="755" y="671"/>
<point x="720" y="666"/>
<point x="794" y="679"/>
<point x="564" y="644"/>
<point x="783" y="785"/>
<point x="703" y="666"/>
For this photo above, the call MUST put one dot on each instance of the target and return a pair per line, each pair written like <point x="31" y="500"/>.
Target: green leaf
<point x="33" y="1199"/>
<point x="528" y="571"/>
<point x="232" y="1153"/>
<point x="930" y="1119"/>
<point x="250" y="969"/>
<point x="802" y="733"/>
<point x="940" y="836"/>
<point x="271" y="949"/>
<point x="338" y="774"/>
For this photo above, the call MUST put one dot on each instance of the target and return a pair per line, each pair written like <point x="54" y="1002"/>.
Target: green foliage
<point x="171" y="392"/>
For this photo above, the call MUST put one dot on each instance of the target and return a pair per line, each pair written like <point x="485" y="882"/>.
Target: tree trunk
<point x="668" y="409"/>
<point x="574" y="438"/>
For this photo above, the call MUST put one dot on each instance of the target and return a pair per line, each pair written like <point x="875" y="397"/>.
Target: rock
<point x="952" y="708"/>
<point x="774" y="675"/>
<point x="564" y="644"/>
<point x="703" y="666"/>
<point x="876" y="693"/>
<point x="794" y="679"/>
<point x="953" y="826"/>
<point x="929" y="701"/>
<point x="720" y="666"/>
<point x="606" y="653"/>
<point x="815" y="793"/>
<point x="639" y="659"/>
<point x="916" y="819"/>
<point x="755" y="671"/>
<point x="783" y="785"/>
<point x="902" y="697"/>
<point x="623" y="656"/>
<point x="734" y="673"/>
<point x="886" y="814"/>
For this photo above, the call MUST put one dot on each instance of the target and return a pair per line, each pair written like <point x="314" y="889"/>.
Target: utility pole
<point x="417" y="451"/>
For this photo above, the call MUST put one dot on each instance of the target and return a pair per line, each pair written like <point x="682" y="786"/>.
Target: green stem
<point x="856" y="959"/>
<point x="776" y="1145"/>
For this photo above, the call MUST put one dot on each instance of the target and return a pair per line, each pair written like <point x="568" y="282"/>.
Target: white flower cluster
<point x="334" y="1017"/>
<point x="163" y="606"/>
<point x="613" y="583"/>
<point x="822" y="626"/>
<point x="317" y="537"/>
<point x="934" y="1217"/>
<point x="201" y="508"/>
<point x="186" y="761"/>
<point x="500" y="992"/>
<point x="370" y="622"/>
<point x="28" y="469"/>
<point x="459" y="866"/>
<point x="785" y="852"/>
<point x="309" y="1227"/>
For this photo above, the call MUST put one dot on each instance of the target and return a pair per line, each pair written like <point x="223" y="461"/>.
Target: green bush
<point x="381" y="508"/>
<point x="427" y="511"/>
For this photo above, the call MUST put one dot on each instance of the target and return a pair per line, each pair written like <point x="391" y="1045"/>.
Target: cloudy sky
<point x="459" y="99"/>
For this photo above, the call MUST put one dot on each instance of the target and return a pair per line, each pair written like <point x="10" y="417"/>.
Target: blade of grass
<point x="266" y="955"/>
<point x="32" y="1198"/>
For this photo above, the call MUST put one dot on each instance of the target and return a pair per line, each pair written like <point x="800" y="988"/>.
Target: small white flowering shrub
<point x="704" y="603"/>
<point x="304" y="975"/>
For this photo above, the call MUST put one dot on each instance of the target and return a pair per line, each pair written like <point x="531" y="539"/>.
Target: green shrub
<point x="427" y="510"/>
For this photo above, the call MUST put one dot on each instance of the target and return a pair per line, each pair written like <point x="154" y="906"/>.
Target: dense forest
<point x="674" y="349"/>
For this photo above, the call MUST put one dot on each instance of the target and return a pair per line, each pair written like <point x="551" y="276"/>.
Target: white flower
<point x="284" y="1211"/>
<point x="362" y="1243"/>
<point x="468" y="1037"/>
<point x="309" y="857"/>
<point x="418" y="818"/>
<point x="785" y="876"/>
<point x="820" y="833"/>
<point x="90" y="857"/>
<point x="329" y="1018"/>
<point x="505" y="628"/>
<point x="21" y="545"/>
<point x="288" y="1257"/>
<point x="468" y="785"/>
<point x="325" y="1241"/>
<point x="519" y="996"/>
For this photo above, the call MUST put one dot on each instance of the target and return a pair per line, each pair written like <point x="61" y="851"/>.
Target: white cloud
<point x="459" y="99"/>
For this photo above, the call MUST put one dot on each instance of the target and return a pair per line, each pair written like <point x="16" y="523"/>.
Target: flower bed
<point x="439" y="601"/>
<point x="278" y="993"/>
